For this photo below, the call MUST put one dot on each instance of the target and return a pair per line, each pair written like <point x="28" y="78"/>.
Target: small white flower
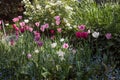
<point x="60" y="53"/>
<point x="36" y="51"/>
<point x="95" y="34"/>
<point x="62" y="39"/>
<point x="46" y="19"/>
<point x="68" y="24"/>
<point x="24" y="13"/>
<point x="21" y="36"/>
<point x="52" y="4"/>
<point x="75" y="26"/>
<point x="47" y="6"/>
<point x="52" y="12"/>
<point x="30" y="18"/>
<point x="7" y="24"/>
<point x="70" y="27"/>
<point x="68" y="8"/>
<point x="58" y="2"/>
<point x="53" y="45"/>
<point x="38" y="6"/>
<point x="26" y="20"/>
<point x="52" y="24"/>
<point x="74" y="51"/>
<point x="65" y="20"/>
<point x="23" y="53"/>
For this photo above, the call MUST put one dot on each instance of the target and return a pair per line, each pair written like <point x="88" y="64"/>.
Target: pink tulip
<point x="20" y="17"/>
<point x="37" y="24"/>
<point x="36" y="33"/>
<point x="15" y="19"/>
<point x="46" y="25"/>
<point x="52" y="37"/>
<point x="88" y="31"/>
<point x="26" y="27"/>
<point x="29" y="56"/>
<point x="57" y="22"/>
<point x="81" y="27"/>
<point x="57" y="18"/>
<point x="42" y="28"/>
<point x="59" y="30"/>
<point x="0" y="22"/>
<point x="30" y="29"/>
<point x="22" y="24"/>
<point x="108" y="35"/>
<point x="65" y="45"/>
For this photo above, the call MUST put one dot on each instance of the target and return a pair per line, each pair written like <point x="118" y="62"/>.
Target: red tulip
<point x="15" y="27"/>
<point x="82" y="35"/>
<point x="52" y="31"/>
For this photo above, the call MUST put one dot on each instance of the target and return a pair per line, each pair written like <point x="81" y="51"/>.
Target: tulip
<point x="95" y="34"/>
<point x="59" y="30"/>
<point x="81" y="27"/>
<point x="37" y="24"/>
<point x="83" y="35"/>
<point x="57" y="22"/>
<point x="20" y="17"/>
<point x="52" y="31"/>
<point x="29" y="56"/>
<point x="15" y="19"/>
<point x="39" y="43"/>
<point x="108" y="35"/>
<point x="65" y="45"/>
<point x="15" y="27"/>
<point x="53" y="45"/>
<point x="0" y="22"/>
<point x="57" y="18"/>
<point x="22" y="24"/>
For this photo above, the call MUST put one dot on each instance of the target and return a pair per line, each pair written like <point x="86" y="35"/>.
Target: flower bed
<point x="52" y="46"/>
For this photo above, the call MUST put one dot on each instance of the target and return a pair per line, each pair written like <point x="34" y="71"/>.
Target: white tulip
<point x="60" y="53"/>
<point x="7" y="24"/>
<point x="26" y="20"/>
<point x="36" y="51"/>
<point x="62" y="39"/>
<point x="95" y="34"/>
<point x="53" y="45"/>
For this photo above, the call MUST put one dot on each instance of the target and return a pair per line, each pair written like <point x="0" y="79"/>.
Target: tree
<point x="10" y="9"/>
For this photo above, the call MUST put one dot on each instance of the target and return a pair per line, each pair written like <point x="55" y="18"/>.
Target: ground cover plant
<point x="56" y="40"/>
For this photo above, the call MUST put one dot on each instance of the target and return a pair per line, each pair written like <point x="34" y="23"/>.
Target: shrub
<point x="95" y="16"/>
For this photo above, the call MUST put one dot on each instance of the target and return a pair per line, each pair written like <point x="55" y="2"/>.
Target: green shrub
<point x="95" y="16"/>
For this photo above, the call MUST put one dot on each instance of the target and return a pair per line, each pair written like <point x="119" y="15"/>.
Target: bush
<point x="95" y="16"/>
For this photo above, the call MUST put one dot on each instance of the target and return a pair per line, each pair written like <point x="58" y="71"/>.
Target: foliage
<point x="45" y="11"/>
<point x="105" y="15"/>
<point x="24" y="58"/>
